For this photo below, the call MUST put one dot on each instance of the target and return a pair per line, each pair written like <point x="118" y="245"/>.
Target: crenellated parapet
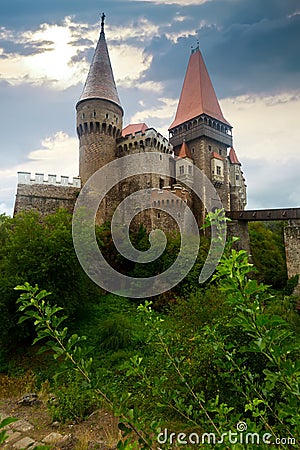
<point x="150" y="140"/>
<point x="45" y="195"/>
<point x="39" y="178"/>
<point x="165" y="197"/>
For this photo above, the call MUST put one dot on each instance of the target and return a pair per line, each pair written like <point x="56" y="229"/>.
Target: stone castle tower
<point x="199" y="136"/>
<point x="99" y="114"/>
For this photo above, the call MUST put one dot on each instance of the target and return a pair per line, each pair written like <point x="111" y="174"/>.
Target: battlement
<point x="39" y="178"/>
<point x="165" y="196"/>
<point x="148" y="140"/>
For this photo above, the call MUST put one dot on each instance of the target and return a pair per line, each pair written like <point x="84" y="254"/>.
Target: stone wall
<point x="239" y="228"/>
<point x="46" y="199"/>
<point x="292" y="250"/>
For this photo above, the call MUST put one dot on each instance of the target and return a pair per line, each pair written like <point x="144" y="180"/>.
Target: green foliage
<point x="39" y="250"/>
<point x="268" y="252"/>
<point x="115" y="333"/>
<point x="242" y="365"/>
<point x="3" y="424"/>
<point x="49" y="325"/>
<point x="74" y="401"/>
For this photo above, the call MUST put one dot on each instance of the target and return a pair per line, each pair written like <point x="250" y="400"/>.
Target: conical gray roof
<point x="100" y="81"/>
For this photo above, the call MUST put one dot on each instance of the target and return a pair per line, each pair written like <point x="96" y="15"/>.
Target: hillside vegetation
<point x="204" y="361"/>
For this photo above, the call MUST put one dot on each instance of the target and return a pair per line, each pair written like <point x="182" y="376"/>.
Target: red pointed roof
<point x="217" y="156"/>
<point x="100" y="81"/>
<point x="184" y="151"/>
<point x="133" y="128"/>
<point x="232" y="157"/>
<point x="198" y="95"/>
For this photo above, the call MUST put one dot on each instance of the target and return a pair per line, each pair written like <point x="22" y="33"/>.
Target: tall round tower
<point x="99" y="113"/>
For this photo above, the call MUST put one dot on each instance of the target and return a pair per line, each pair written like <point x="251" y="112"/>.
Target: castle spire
<point x="102" y="23"/>
<point x="100" y="83"/>
<point x="198" y="95"/>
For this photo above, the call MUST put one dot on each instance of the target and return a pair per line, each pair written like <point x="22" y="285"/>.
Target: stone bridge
<point x="239" y="227"/>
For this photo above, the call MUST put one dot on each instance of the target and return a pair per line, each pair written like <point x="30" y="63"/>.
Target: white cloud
<point x="57" y="153"/>
<point x="265" y="127"/>
<point x="177" y="2"/>
<point x="129" y="63"/>
<point x="267" y="140"/>
<point x="141" y="29"/>
<point x="3" y="208"/>
<point x="164" y="112"/>
<point x="53" y="63"/>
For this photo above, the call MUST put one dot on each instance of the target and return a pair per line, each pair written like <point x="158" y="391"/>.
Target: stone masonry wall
<point x="46" y="199"/>
<point x="292" y="250"/>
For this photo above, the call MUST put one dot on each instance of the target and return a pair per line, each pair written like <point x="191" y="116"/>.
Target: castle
<point x="198" y="136"/>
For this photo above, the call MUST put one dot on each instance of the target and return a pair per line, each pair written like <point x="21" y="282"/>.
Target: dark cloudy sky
<point x="251" y="49"/>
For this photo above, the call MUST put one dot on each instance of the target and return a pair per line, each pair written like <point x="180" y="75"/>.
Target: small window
<point x="218" y="170"/>
<point x="190" y="170"/>
<point x="83" y="116"/>
<point x="220" y="151"/>
<point x="94" y="114"/>
<point x="161" y="183"/>
<point x="158" y="215"/>
<point x="209" y="148"/>
<point x="181" y="170"/>
<point x="237" y="177"/>
<point x="107" y="116"/>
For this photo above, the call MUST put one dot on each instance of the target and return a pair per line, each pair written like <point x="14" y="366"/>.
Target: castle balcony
<point x="191" y="131"/>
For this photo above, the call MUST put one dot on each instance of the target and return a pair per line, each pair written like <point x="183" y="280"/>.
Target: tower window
<point x="220" y="151"/>
<point x="209" y="148"/>
<point x="107" y="116"/>
<point x="218" y="170"/>
<point x="181" y="170"/>
<point x="237" y="177"/>
<point x="161" y="183"/>
<point x="94" y="114"/>
<point x="190" y="170"/>
<point x="83" y="116"/>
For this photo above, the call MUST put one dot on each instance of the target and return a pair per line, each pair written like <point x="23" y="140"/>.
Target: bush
<point x="39" y="250"/>
<point x="73" y="401"/>
<point x="268" y="252"/>
<point x="115" y="333"/>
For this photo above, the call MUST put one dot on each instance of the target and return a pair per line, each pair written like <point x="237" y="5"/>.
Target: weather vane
<point x="102" y="22"/>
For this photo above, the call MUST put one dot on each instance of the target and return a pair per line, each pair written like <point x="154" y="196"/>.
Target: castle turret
<point x="184" y="165"/>
<point x="238" y="195"/>
<point x="99" y="113"/>
<point x="199" y="122"/>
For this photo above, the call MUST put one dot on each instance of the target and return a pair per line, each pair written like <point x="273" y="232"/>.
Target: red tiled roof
<point x="198" y="95"/>
<point x="100" y="81"/>
<point x="217" y="156"/>
<point x="184" y="151"/>
<point x="232" y="156"/>
<point x="133" y="128"/>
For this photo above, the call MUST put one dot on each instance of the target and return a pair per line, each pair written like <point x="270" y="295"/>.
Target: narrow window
<point x="181" y="170"/>
<point x="218" y="170"/>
